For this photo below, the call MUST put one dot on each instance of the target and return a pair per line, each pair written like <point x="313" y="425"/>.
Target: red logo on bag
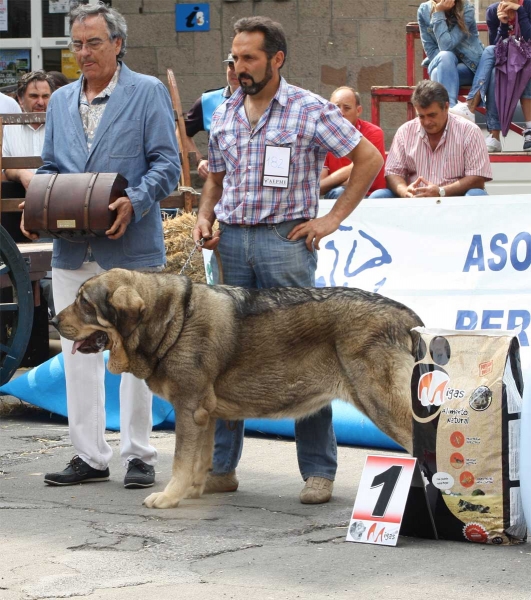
<point x="432" y="388"/>
<point x="457" y="439"/>
<point x="372" y="531"/>
<point x="466" y="479"/>
<point x="474" y="532"/>
<point x="485" y="368"/>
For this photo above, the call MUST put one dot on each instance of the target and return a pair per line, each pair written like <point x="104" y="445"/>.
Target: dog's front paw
<point x="160" y="500"/>
<point x="195" y="491"/>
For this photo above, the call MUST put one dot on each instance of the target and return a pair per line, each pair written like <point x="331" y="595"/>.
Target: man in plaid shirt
<point x="268" y="143"/>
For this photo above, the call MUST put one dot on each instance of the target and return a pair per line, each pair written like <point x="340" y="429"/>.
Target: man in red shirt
<point x="336" y="171"/>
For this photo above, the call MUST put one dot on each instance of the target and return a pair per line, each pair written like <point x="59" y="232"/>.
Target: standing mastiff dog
<point x="233" y="353"/>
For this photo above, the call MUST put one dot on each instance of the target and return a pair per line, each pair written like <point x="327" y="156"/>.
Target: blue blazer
<point x="136" y="138"/>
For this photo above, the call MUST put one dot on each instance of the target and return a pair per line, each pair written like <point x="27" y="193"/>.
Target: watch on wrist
<point x="442" y="192"/>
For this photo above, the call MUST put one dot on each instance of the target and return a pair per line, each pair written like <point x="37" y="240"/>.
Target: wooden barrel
<point x="72" y="205"/>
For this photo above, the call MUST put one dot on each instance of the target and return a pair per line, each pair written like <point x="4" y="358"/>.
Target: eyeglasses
<point x="94" y="44"/>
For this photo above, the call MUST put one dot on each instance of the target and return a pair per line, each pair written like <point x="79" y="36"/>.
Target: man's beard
<point x="256" y="86"/>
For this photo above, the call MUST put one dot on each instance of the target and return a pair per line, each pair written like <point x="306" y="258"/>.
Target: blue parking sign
<point x="192" y="17"/>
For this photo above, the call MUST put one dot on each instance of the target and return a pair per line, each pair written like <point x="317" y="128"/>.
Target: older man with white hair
<point x="112" y="120"/>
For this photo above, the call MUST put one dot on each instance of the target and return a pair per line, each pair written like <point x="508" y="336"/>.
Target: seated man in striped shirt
<point x="437" y="154"/>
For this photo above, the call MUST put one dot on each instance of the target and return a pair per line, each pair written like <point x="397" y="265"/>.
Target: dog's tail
<point x="416" y="339"/>
<point x="416" y="344"/>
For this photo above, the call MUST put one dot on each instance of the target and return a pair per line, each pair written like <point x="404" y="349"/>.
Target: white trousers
<point x="85" y="391"/>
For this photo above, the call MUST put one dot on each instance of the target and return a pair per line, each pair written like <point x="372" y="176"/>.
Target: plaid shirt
<point x="295" y="118"/>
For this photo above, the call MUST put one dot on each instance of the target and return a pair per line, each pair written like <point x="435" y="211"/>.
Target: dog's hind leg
<point x="381" y="382"/>
<point x="190" y="438"/>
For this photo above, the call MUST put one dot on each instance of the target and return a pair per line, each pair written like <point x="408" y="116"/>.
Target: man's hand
<point x="314" y="231"/>
<point x="124" y="214"/>
<point x="203" y="230"/>
<point x="23" y="176"/>
<point x="202" y="169"/>
<point x="444" y="5"/>
<point x="429" y="190"/>
<point x="31" y="236"/>
<point x="412" y="188"/>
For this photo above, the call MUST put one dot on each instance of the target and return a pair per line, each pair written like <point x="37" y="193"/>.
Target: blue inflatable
<point x="44" y="386"/>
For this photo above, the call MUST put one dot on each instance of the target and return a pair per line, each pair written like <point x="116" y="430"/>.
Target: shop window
<point x="18" y="20"/>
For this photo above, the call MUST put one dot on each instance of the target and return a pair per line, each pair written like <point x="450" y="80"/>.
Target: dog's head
<point x="107" y="310"/>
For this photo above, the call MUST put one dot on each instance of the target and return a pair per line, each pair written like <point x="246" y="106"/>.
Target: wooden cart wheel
<point x="16" y="315"/>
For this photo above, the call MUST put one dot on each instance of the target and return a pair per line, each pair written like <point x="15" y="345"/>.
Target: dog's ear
<point x="128" y="309"/>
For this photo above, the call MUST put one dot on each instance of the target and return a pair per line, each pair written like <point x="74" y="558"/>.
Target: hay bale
<point x="179" y="244"/>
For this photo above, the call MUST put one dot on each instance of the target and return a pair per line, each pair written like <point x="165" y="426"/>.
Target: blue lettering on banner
<point x="377" y="261"/>
<point x="467" y="320"/>
<point x="476" y="255"/>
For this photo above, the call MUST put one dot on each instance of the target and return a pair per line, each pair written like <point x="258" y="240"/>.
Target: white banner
<point x="460" y="263"/>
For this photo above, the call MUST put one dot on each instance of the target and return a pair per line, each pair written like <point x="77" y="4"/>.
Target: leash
<point x="199" y="244"/>
<point x="190" y="190"/>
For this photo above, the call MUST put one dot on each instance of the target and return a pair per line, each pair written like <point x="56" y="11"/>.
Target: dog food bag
<point x="466" y="392"/>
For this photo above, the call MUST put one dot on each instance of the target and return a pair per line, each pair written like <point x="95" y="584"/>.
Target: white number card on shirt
<point x="276" y="166"/>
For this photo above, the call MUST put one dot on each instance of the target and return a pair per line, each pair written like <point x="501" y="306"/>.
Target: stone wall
<point x="360" y="43"/>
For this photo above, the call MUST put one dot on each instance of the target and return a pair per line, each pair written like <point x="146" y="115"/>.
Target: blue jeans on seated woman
<point x="387" y="193"/>
<point x="446" y="69"/>
<point x="261" y="256"/>
<point x="485" y="83"/>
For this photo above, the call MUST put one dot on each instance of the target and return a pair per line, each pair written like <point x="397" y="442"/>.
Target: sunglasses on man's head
<point x="40" y="75"/>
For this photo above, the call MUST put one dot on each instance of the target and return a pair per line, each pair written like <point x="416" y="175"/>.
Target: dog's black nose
<point x="55" y="322"/>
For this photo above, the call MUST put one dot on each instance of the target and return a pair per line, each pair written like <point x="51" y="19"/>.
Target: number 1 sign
<point x="380" y="503"/>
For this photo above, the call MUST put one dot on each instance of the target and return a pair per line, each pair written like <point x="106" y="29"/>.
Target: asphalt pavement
<point x="99" y="541"/>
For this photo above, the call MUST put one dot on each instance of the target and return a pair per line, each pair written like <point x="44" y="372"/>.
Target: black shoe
<point x="527" y="140"/>
<point x="139" y="474"/>
<point x="77" y="471"/>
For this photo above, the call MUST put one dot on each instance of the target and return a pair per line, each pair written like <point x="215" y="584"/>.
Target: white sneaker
<point x="493" y="145"/>
<point x="461" y="110"/>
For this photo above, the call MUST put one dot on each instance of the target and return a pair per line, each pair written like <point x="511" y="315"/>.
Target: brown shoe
<point x="221" y="483"/>
<point x="317" y="490"/>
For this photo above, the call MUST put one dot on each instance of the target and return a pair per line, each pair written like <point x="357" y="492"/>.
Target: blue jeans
<point x="334" y="193"/>
<point x="485" y="83"/>
<point x="262" y="257"/>
<point x="446" y="69"/>
<point x="387" y="193"/>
